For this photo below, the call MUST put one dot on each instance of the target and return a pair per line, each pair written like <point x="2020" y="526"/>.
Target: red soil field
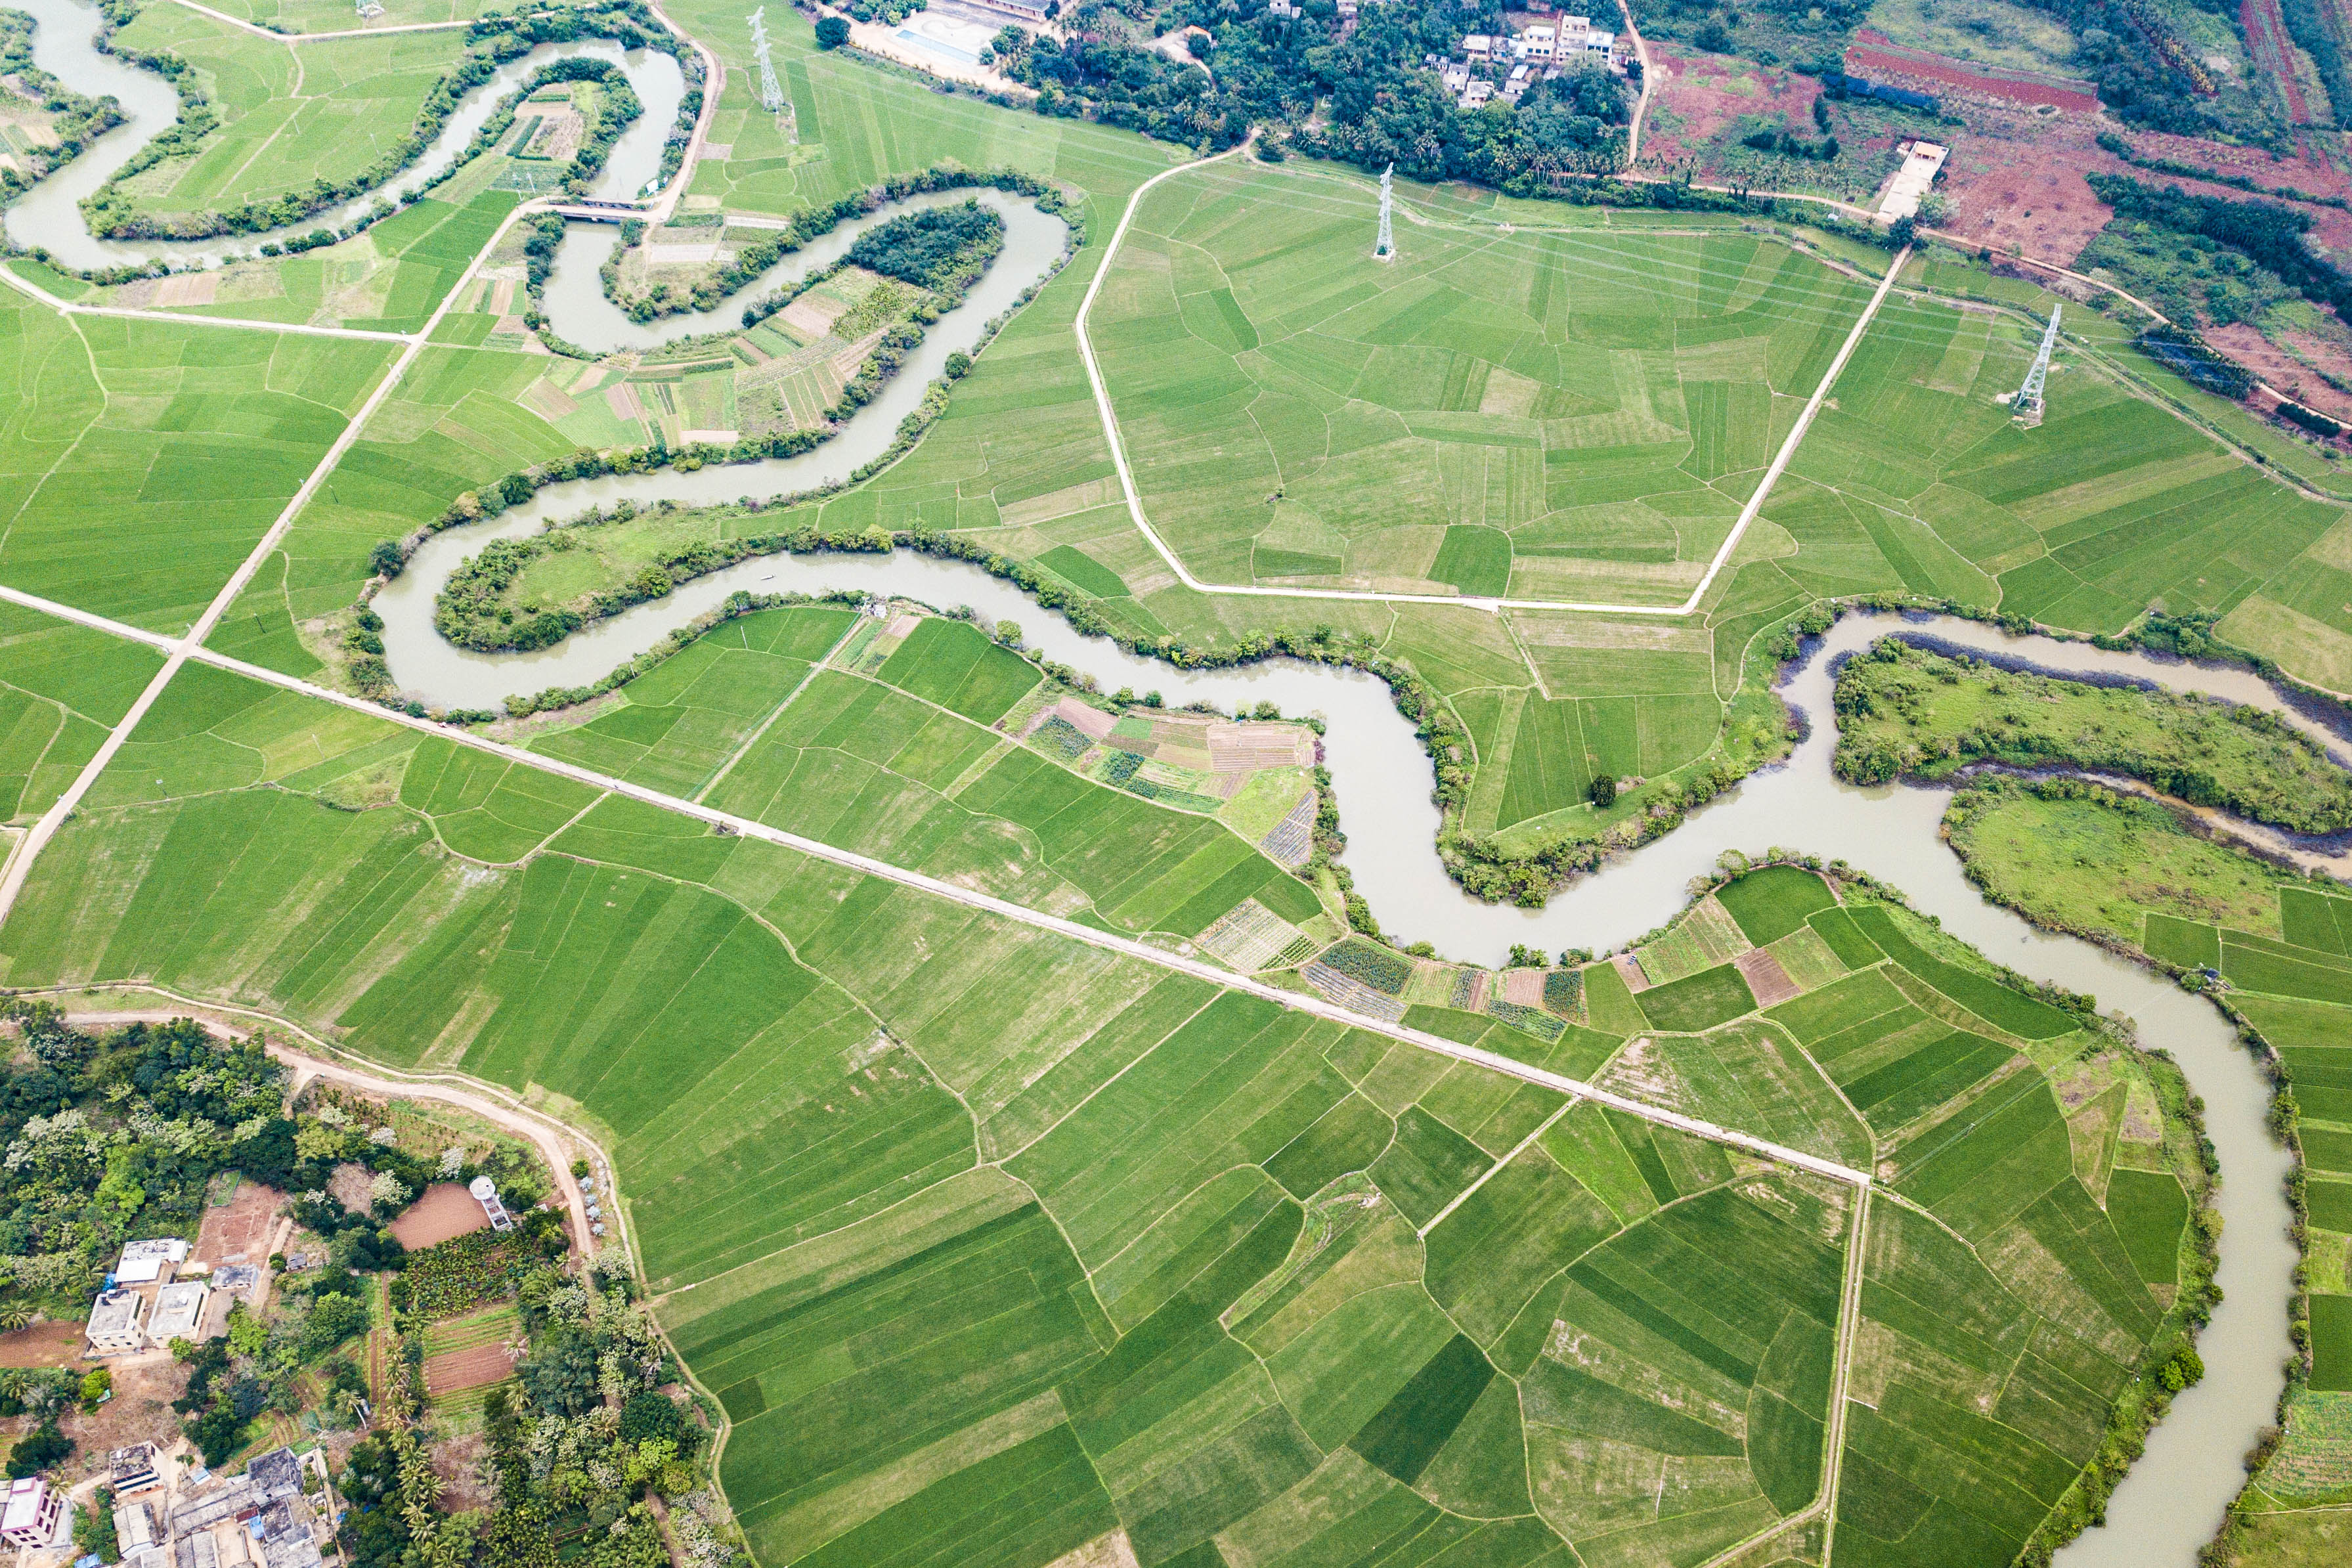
<point x="2266" y="40"/>
<point x="1928" y="72"/>
<point x="444" y="1213"/>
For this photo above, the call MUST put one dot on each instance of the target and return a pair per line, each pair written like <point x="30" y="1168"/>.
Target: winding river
<point x="2174" y="1497"/>
<point x="50" y="215"/>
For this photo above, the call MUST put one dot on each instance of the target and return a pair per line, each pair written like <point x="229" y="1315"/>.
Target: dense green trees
<point x="2266" y="234"/>
<point x="1381" y="104"/>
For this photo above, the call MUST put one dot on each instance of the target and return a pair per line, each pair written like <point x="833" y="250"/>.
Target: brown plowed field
<point x="1926" y="72"/>
<point x="456" y="1369"/>
<point x="444" y="1213"/>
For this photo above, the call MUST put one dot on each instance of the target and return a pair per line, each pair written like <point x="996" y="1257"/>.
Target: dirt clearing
<point x="445" y="1212"/>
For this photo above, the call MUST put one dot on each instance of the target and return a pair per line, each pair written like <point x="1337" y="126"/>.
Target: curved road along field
<point x="554" y="1139"/>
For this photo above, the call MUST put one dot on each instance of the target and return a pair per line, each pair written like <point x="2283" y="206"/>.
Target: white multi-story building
<point x="32" y="1514"/>
<point x="1479" y="47"/>
<point x="145" y="1262"/>
<point x="1536" y="44"/>
<point x="179" y="1313"/>
<point x="115" y="1323"/>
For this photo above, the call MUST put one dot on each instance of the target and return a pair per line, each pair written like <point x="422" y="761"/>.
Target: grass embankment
<point x="2091" y="861"/>
<point x="1903" y="710"/>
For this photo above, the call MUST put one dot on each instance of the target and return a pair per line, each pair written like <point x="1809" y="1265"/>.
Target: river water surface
<point x="2174" y="1498"/>
<point x="50" y="214"/>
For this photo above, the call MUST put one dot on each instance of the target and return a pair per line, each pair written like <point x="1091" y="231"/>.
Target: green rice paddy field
<point x="141" y="461"/>
<point x="288" y="113"/>
<point x="993" y="1243"/>
<point x="1574" y="408"/>
<point x="2281" y="945"/>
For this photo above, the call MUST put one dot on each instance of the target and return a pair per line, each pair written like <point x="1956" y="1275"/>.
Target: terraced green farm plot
<point x="1557" y="414"/>
<point x="1775" y="901"/>
<point x="388" y="277"/>
<point x="679" y="725"/>
<point x="424" y="448"/>
<point x="866" y="766"/>
<point x="143" y="460"/>
<point x="951" y="664"/>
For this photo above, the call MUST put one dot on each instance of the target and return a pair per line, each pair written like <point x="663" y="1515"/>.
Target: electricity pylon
<point x="771" y="95"/>
<point x="2025" y="403"/>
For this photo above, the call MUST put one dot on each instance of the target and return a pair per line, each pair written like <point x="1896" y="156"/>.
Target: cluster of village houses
<point x="1505" y="64"/>
<point x="278" y="1514"/>
<point x="169" y="1512"/>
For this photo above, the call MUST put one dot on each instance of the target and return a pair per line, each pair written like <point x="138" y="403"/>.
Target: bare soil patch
<point x="140" y="1412"/>
<point x="1879" y="58"/>
<point x="472" y="1368"/>
<point x="1699" y="95"/>
<point x="445" y="1212"/>
<point x="349" y="1187"/>
<point x="1765" y="977"/>
<point x="2280" y="368"/>
<point x="42" y="1344"/>
<point x="238" y="1231"/>
<point x="459" y="1462"/>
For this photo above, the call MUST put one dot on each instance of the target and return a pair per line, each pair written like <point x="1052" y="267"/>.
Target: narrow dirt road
<point x="557" y="1142"/>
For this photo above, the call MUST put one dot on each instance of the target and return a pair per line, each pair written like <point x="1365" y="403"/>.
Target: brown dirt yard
<point x="42" y="1344"/>
<point x="445" y="1212"/>
<point x="238" y="1231"/>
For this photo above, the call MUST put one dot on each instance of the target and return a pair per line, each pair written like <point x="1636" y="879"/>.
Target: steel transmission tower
<point x="772" y="96"/>
<point x="2025" y="403"/>
<point x="1384" y="248"/>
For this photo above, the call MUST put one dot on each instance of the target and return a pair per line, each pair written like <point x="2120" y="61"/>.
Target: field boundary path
<point x="1649" y="85"/>
<point x="183" y="650"/>
<point x="1493" y="605"/>
<point x="177" y="652"/>
<point x="273" y="34"/>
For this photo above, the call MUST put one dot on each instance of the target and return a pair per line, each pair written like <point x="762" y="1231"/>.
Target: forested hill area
<point x="1360" y="94"/>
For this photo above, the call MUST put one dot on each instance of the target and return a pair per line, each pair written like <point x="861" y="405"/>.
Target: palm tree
<point x="15" y="1315"/>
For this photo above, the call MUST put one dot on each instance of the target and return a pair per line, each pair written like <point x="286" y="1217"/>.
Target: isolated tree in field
<point x="832" y="32"/>
<point x="1605" y="792"/>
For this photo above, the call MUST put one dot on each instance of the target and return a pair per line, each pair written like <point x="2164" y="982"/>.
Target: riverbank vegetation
<point x="950" y="256"/>
<point x="1905" y="710"/>
<point x="2139" y="876"/>
<point x="268" y="149"/>
<point x="44" y="124"/>
<point x="1200" y="1169"/>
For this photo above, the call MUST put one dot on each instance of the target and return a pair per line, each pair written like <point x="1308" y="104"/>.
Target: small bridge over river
<point x="600" y="212"/>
